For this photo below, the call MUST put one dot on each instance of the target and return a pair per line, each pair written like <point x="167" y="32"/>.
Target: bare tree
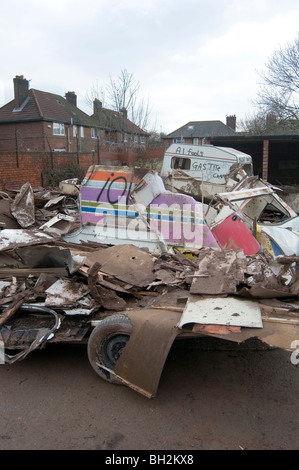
<point x="279" y="93"/>
<point x="94" y="92"/>
<point x="259" y="123"/>
<point x="123" y="93"/>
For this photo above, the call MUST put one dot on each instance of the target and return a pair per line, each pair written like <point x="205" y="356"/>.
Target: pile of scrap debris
<point x="247" y="287"/>
<point x="51" y="211"/>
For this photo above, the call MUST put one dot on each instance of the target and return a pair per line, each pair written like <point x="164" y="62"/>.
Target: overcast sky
<point x="194" y="59"/>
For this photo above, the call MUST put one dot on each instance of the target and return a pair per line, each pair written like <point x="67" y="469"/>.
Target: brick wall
<point x="18" y="168"/>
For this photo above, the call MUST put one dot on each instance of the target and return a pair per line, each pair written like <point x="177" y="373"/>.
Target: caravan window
<point x="178" y="163"/>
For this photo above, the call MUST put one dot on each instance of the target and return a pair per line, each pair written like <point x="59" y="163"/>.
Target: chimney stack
<point x="71" y="98"/>
<point x="21" y="89"/>
<point x="97" y="106"/>
<point x="124" y="112"/>
<point x="231" y="121"/>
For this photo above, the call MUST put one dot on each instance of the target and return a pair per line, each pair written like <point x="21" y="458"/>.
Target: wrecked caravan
<point x="118" y="205"/>
<point x="128" y="299"/>
<point x="202" y="170"/>
<point x="255" y="209"/>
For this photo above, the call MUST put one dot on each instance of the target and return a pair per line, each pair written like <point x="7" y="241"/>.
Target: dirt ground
<point x="207" y="399"/>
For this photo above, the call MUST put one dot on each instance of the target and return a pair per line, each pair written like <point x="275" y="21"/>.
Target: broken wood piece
<point x="269" y="308"/>
<point x="10" y="311"/>
<point x="174" y="309"/>
<point x="105" y="297"/>
<point x="65" y="292"/>
<point x="223" y="271"/>
<point x="25" y="272"/>
<point x="127" y="263"/>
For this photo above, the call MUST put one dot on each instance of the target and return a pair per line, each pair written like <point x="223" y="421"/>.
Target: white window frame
<point x="58" y="128"/>
<point x="81" y="131"/>
<point x="125" y="137"/>
<point x="94" y="133"/>
<point x="75" y="130"/>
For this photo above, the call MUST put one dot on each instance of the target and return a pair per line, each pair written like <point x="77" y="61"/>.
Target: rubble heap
<point x="225" y="293"/>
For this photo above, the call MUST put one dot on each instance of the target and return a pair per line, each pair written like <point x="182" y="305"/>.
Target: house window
<point x="142" y="139"/>
<point x="125" y="137"/>
<point x="75" y="130"/>
<point x="178" y="141"/>
<point x="94" y="133"/>
<point x="195" y="140"/>
<point x="135" y="138"/>
<point x="58" y="128"/>
<point x="81" y="131"/>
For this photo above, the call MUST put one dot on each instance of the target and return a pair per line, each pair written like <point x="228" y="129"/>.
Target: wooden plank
<point x="10" y="311"/>
<point x="24" y="272"/>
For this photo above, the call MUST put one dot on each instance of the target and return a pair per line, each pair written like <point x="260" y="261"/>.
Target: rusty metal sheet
<point x="142" y="360"/>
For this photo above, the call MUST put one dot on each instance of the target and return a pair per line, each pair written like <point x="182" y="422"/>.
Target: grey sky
<point x="193" y="59"/>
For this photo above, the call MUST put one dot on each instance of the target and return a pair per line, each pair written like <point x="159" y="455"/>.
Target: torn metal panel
<point x="22" y="207"/>
<point x="256" y="201"/>
<point x="59" y="224"/>
<point x="10" y="238"/>
<point x="286" y="237"/>
<point x="232" y="311"/>
<point x="246" y="193"/>
<point x="54" y="201"/>
<point x="42" y="335"/>
<point x="147" y="189"/>
<point x="233" y="233"/>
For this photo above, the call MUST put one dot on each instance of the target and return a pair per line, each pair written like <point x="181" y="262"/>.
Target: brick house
<point x="117" y="128"/>
<point x="199" y="132"/>
<point x="36" y="121"/>
<point x="40" y="121"/>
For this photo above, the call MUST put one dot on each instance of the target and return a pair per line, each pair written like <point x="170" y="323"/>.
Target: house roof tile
<point x="202" y="129"/>
<point x="42" y="105"/>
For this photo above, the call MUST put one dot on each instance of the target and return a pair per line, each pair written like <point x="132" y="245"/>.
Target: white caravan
<point x="202" y="170"/>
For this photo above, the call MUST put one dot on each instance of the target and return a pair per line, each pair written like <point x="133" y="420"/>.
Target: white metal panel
<point x="232" y="311"/>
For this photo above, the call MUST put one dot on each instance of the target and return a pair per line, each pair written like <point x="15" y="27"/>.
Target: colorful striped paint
<point x="105" y="203"/>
